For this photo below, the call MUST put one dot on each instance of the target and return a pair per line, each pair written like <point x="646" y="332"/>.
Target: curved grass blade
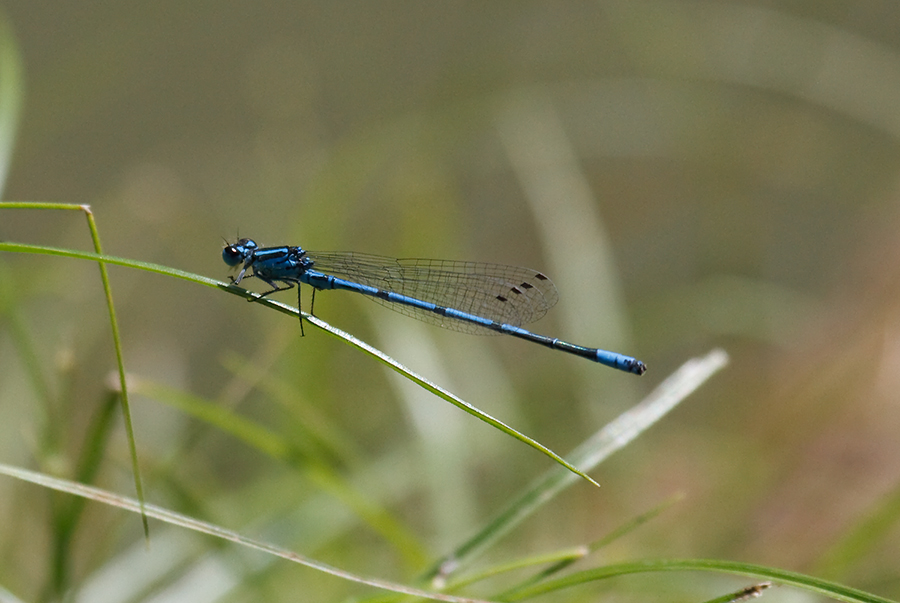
<point x="832" y="590"/>
<point x="626" y="528"/>
<point x="114" y="326"/>
<point x="313" y="320"/>
<point x="614" y="436"/>
<point x="566" y="556"/>
<point x="555" y="561"/>
<point x="190" y="523"/>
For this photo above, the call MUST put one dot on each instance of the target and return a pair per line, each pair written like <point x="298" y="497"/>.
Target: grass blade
<point x="190" y="523"/>
<point x="619" y="532"/>
<point x="114" y="326"/>
<point x="608" y="440"/>
<point x="828" y="589"/>
<point x="335" y="332"/>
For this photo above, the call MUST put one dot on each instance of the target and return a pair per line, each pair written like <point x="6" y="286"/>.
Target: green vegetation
<point x="711" y="187"/>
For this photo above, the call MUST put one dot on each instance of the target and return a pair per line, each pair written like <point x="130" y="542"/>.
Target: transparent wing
<point x="506" y="294"/>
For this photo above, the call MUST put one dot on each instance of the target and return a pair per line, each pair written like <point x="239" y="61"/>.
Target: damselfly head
<point x="235" y="253"/>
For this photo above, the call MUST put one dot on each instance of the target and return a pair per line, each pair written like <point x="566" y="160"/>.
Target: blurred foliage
<point x="691" y="174"/>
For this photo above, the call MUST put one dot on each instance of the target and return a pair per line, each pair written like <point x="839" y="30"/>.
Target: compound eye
<point x="233" y="254"/>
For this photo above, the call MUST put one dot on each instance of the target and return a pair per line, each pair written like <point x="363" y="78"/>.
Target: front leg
<point x="243" y="273"/>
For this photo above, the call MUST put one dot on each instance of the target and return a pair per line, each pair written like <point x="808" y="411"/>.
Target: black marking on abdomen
<point x="540" y="277"/>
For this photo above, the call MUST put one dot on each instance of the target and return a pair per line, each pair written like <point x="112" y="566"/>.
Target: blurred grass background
<point x="691" y="174"/>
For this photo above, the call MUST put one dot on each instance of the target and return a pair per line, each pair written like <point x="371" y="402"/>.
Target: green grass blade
<point x="114" y="326"/>
<point x="608" y="440"/>
<point x="120" y="366"/>
<point x="196" y="525"/>
<point x="446" y="395"/>
<point x="566" y="556"/>
<point x="626" y="528"/>
<point x="335" y="332"/>
<point x="818" y="586"/>
<point x="557" y="560"/>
